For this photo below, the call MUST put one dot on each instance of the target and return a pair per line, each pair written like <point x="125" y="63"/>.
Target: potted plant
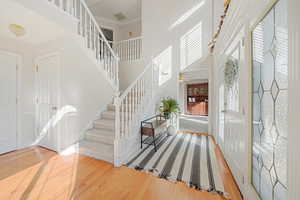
<point x="168" y="107"/>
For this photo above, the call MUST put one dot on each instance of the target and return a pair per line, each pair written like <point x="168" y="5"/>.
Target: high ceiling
<point x="37" y="28"/>
<point x="107" y="9"/>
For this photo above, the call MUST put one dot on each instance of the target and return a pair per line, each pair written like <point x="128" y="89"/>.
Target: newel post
<point x="117" y="146"/>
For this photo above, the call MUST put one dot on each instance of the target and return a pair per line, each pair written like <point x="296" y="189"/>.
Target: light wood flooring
<point x="37" y="173"/>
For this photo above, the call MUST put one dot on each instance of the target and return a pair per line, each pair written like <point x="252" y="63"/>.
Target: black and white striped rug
<point x="189" y="158"/>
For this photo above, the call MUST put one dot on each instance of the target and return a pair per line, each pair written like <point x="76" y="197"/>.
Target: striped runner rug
<point x="189" y="158"/>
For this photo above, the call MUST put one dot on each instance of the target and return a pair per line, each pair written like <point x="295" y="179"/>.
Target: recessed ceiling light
<point x="18" y="30"/>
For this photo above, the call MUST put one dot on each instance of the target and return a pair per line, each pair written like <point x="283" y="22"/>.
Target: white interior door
<point x="8" y="104"/>
<point x="48" y="101"/>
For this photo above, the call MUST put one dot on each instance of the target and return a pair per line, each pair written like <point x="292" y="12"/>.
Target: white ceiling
<point x="106" y="9"/>
<point x="38" y="29"/>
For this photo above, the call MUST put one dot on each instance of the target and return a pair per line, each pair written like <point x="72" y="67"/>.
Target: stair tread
<point x="105" y="121"/>
<point x="109" y="112"/>
<point x="105" y="124"/>
<point x="101" y="132"/>
<point x="109" y="115"/>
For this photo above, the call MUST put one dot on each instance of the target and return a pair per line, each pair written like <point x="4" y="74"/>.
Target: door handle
<point x="54" y="108"/>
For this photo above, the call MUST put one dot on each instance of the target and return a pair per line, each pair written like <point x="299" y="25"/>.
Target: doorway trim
<point x="36" y="100"/>
<point x="18" y="75"/>
<point x="185" y="94"/>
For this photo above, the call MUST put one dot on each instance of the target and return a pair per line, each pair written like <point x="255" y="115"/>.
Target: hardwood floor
<point x="37" y="173"/>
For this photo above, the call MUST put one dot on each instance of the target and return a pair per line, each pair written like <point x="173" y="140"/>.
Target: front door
<point x="8" y="102"/>
<point x="48" y="101"/>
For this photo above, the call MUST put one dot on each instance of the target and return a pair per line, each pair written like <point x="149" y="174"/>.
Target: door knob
<point x="54" y="108"/>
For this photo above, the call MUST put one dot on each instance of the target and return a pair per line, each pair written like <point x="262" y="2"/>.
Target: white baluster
<point x="101" y="49"/>
<point x="117" y="118"/>
<point x="110" y="65"/>
<point x="97" y="44"/>
<point x="129" y="47"/>
<point x="80" y="19"/>
<point x="140" y="48"/>
<point x="134" y="102"/>
<point x="135" y="49"/>
<point x="85" y="28"/>
<point x="127" y="50"/>
<point x="74" y="7"/>
<point x="120" y="52"/>
<point x="93" y="34"/>
<point x="140" y="93"/>
<point x="127" y="115"/>
<point x="123" y="50"/>
<point x="90" y="33"/>
<point x="95" y="38"/>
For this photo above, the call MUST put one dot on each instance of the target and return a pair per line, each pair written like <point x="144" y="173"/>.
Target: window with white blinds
<point x="258" y="43"/>
<point x="191" y="46"/>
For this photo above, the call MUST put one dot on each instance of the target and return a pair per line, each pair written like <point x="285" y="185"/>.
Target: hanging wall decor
<point x="231" y="71"/>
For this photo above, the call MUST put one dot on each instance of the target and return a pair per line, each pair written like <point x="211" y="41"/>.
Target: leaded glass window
<point x="269" y="104"/>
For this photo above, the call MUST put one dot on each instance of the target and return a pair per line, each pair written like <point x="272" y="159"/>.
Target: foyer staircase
<point x="99" y="141"/>
<point x="121" y="119"/>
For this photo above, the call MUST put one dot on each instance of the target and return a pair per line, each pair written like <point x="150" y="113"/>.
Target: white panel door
<point x="8" y="105"/>
<point x="48" y="101"/>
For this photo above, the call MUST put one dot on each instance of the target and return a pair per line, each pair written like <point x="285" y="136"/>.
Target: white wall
<point x="164" y="23"/>
<point x="26" y="109"/>
<point x="134" y="28"/>
<point x="83" y="87"/>
<point x="128" y="72"/>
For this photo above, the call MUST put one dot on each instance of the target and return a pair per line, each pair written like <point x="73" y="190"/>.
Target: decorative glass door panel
<point x="269" y="104"/>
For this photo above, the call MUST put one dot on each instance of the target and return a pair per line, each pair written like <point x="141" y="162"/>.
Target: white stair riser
<point x="110" y="116"/>
<point x="104" y="126"/>
<point x="96" y="155"/>
<point x="111" y="107"/>
<point x="105" y="133"/>
<point x="97" y="150"/>
<point x="99" y="138"/>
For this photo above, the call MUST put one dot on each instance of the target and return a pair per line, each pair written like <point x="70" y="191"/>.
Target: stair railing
<point x="95" y="40"/>
<point x="129" y="50"/>
<point x="130" y="107"/>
